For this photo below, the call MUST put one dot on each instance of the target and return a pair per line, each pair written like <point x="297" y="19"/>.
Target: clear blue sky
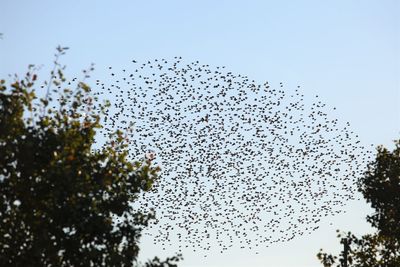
<point x="346" y="51"/>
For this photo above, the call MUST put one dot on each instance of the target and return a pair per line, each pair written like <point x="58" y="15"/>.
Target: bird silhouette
<point x="243" y="164"/>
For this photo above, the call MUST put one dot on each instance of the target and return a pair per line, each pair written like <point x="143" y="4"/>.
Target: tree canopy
<point x="380" y="187"/>
<point x="63" y="202"/>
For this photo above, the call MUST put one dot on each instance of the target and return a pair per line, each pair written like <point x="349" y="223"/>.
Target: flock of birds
<point x="243" y="164"/>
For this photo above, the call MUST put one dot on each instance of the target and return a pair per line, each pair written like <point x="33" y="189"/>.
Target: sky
<point x="346" y="51"/>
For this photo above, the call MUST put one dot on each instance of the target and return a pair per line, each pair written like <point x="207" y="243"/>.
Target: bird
<point x="243" y="163"/>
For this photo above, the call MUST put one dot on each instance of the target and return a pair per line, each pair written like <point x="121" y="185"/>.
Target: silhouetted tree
<point x="62" y="202"/>
<point x="380" y="187"/>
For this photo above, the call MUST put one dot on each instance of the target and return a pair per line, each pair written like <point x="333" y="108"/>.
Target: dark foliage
<point x="64" y="203"/>
<point x="380" y="187"/>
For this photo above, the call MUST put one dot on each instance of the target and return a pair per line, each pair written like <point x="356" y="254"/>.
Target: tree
<point x="381" y="188"/>
<point x="62" y="202"/>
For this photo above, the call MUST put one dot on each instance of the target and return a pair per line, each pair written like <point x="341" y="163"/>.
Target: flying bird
<point x="243" y="164"/>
